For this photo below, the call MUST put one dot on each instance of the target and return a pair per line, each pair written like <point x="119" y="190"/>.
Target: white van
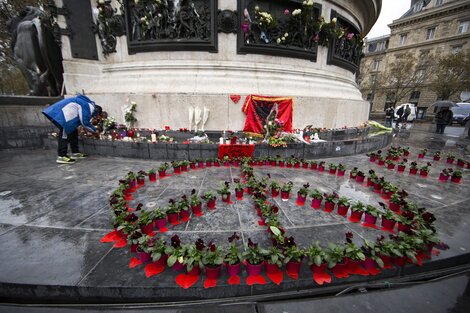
<point x="412" y="115"/>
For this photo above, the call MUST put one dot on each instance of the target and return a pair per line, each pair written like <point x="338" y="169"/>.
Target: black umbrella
<point x="444" y="103"/>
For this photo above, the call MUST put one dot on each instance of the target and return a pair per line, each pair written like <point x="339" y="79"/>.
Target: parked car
<point x="461" y="111"/>
<point x="412" y="115"/>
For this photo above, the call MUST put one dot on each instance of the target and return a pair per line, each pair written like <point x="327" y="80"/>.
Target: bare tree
<point x="452" y="75"/>
<point x="405" y="74"/>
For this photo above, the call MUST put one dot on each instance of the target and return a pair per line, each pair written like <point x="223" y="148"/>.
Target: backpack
<point x="400" y="111"/>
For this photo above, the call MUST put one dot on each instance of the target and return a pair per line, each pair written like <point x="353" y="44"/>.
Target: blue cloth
<point x="71" y="112"/>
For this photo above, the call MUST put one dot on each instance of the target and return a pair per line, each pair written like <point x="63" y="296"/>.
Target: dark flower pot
<point x="177" y="170"/>
<point x="178" y="266"/>
<point x="162" y="261"/>
<point x="217" y="164"/>
<point x="213" y="272"/>
<point x="436" y="158"/>
<point x="197" y="209"/>
<point x="423" y="173"/>
<point x="413" y="171"/>
<point x="450" y="161"/>
<point x="147" y="229"/>
<point x="233" y="270"/>
<point x="455" y="179"/>
<point x="184" y="168"/>
<point x="153" y="177"/>
<point x="404" y="228"/>
<point x="340" y="173"/>
<point x="195" y="271"/>
<point x="329" y="206"/>
<point x="184" y="214"/>
<point x="132" y="184"/>
<point x="381" y="162"/>
<point x="250" y="190"/>
<point x="226" y="164"/>
<point x="293" y="267"/>
<point x="343" y="210"/>
<point x="332" y="171"/>
<point x="226" y="197"/>
<point x="274" y="192"/>
<point x="297" y="165"/>
<point x="273" y="163"/>
<point x="200" y="164"/>
<point x="370" y="219"/>
<point x="161" y="173"/>
<point x="406" y="153"/>
<point x="321" y="168"/>
<point x="316" y="203"/>
<point x="271" y="268"/>
<point x="360" y="179"/>
<point x="313" y="166"/>
<point x="211" y="204"/>
<point x="289" y="165"/>
<point x="281" y="163"/>
<point x="192" y="166"/>
<point x="372" y="159"/>
<point x="352" y="176"/>
<point x="160" y="223"/>
<point x="377" y="187"/>
<point x="395" y="207"/>
<point x="236" y="163"/>
<point x="356" y="215"/>
<point x="301" y="199"/>
<point x="420" y="156"/>
<point x="443" y="177"/>
<point x="391" y="166"/>
<point x="388" y="224"/>
<point x="209" y="163"/>
<point x="401" y="168"/>
<point x="172" y="217"/>
<point x="304" y="165"/>
<point x="134" y="248"/>
<point x="284" y="195"/>
<point x="239" y="194"/>
<point x="254" y="269"/>
<point x="370" y="182"/>
<point x="144" y="257"/>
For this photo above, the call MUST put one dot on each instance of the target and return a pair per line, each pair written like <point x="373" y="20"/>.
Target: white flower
<point x="278" y="40"/>
<point x="334" y="20"/>
<point x="283" y="38"/>
<point x="296" y="12"/>
<point x="257" y="8"/>
<point x="286" y="34"/>
<point x="101" y="1"/>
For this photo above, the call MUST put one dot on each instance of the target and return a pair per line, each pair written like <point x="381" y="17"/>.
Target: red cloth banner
<point x="257" y="109"/>
<point x="236" y="151"/>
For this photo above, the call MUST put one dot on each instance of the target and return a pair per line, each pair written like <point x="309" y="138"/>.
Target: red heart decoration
<point x="235" y="98"/>
<point x="120" y="243"/>
<point x="111" y="237"/>
<point x="210" y="283"/>
<point x="340" y="271"/>
<point x="370" y="225"/>
<point x="152" y="269"/>
<point x="293" y="275"/>
<point x="234" y="280"/>
<point x="163" y="229"/>
<point x="277" y="277"/>
<point x="185" y="281"/>
<point x="199" y="214"/>
<point x="321" y="277"/>
<point x="258" y="279"/>
<point x="134" y="262"/>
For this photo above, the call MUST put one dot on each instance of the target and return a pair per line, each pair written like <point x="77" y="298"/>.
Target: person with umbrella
<point x="443" y="116"/>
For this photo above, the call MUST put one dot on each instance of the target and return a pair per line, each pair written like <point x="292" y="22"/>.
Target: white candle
<point x="154" y="137"/>
<point x="221" y="140"/>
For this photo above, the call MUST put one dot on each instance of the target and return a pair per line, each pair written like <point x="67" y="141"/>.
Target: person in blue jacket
<point x="68" y="114"/>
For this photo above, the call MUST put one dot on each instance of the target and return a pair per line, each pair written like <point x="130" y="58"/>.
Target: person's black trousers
<point x="72" y="138"/>
<point x="440" y="128"/>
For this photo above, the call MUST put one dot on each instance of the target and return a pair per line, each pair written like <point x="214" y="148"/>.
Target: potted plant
<point x="332" y="168"/>
<point x="422" y="153"/>
<point x="132" y="180"/>
<point x="353" y="173"/>
<point x="212" y="260"/>
<point x="316" y="258"/>
<point x="226" y="161"/>
<point x="162" y="169"/>
<point x="341" y="169"/>
<point x="357" y="209"/>
<point x="193" y="258"/>
<point x="371" y="214"/>
<point x="273" y="259"/>
<point x="216" y="162"/>
<point x="152" y="175"/>
<point x="184" y="165"/>
<point x="196" y="205"/>
<point x="317" y="197"/>
<point x="445" y="174"/>
<point x="401" y="166"/>
<point x="157" y="252"/>
<point x="389" y="219"/>
<point x="395" y="202"/>
<point x="210" y="198"/>
<point x="176" y="167"/>
<point x="146" y="221"/>
<point x="285" y="190"/>
<point x="381" y="160"/>
<point x="371" y="156"/>
<point x="233" y="257"/>
<point x="224" y="191"/>
<point x="334" y="255"/>
<point x="200" y="163"/>
<point x="450" y="158"/>
<point x="143" y="249"/>
<point x="437" y="156"/>
<point x="390" y="164"/>
<point x="302" y="194"/>
<point x="343" y="205"/>
<point x="330" y="201"/>
<point x="176" y="253"/>
<point x="460" y="162"/>
<point x="304" y="163"/>
<point x="372" y="254"/>
<point x="313" y="165"/>
<point x="173" y="211"/>
<point x="413" y="168"/>
<point x="209" y="162"/>
<point x="293" y="256"/>
<point x="275" y="188"/>
<point x="372" y="178"/>
<point x="254" y="257"/>
<point x="456" y="176"/>
<point x="360" y="177"/>
<point x="424" y="170"/>
<point x="159" y="216"/>
<point x="321" y="166"/>
<point x="239" y="186"/>
<point x="184" y="206"/>
<point x="352" y="253"/>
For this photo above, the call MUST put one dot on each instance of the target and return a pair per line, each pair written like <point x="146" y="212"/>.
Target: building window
<point x="430" y="33"/>
<point x="463" y="27"/>
<point x="370" y="97"/>
<point x="403" y="39"/>
<point x="373" y="79"/>
<point x="418" y="6"/>
<point x="376" y="65"/>
<point x="439" y="2"/>
<point x="456" y="49"/>
<point x="414" y="97"/>
<point x="419" y="74"/>
<point x="381" y="46"/>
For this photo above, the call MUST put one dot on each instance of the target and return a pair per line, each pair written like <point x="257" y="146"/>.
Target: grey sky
<point x="391" y="10"/>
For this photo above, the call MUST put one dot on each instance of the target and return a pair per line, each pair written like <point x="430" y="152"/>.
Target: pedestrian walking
<point x="389" y="113"/>
<point x="466" y="122"/>
<point x="443" y="118"/>
<point x="400" y="113"/>
<point x="406" y="113"/>
<point x="68" y="114"/>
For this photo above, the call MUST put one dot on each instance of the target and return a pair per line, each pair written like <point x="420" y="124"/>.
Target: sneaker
<point x="79" y="155"/>
<point x="65" y="160"/>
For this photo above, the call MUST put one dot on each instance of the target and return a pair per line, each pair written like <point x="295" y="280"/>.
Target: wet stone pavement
<point x="53" y="216"/>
